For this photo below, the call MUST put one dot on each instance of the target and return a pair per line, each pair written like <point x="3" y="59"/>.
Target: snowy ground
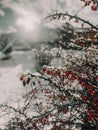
<point x="10" y="70"/>
<point x="11" y="88"/>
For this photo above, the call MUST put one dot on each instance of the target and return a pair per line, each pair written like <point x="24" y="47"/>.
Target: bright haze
<point x="26" y="15"/>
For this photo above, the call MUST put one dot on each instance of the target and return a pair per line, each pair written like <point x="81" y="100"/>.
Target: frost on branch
<point x="71" y="17"/>
<point x="61" y="98"/>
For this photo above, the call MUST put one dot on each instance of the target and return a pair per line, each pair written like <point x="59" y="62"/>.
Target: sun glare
<point x="27" y="23"/>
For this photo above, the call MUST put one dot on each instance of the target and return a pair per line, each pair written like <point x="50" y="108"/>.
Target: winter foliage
<point x="63" y="94"/>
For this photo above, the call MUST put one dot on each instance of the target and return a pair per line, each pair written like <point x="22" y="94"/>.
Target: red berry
<point x="28" y="80"/>
<point x="84" y="98"/>
<point x="91" y="116"/>
<point x="96" y="77"/>
<point x="94" y="8"/>
<point x="21" y="78"/>
<point x="44" y="69"/>
<point x="97" y="128"/>
<point x="94" y="2"/>
<point x="83" y="0"/>
<point x="96" y="110"/>
<point x="48" y="72"/>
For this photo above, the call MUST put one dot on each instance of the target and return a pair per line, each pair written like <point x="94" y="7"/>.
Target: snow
<point x="9" y="77"/>
<point x="11" y="89"/>
<point x="10" y="70"/>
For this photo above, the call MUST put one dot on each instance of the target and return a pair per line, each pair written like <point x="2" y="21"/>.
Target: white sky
<point x="38" y="9"/>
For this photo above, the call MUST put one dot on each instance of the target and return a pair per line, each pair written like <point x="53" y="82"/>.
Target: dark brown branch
<point x="14" y="109"/>
<point x="59" y="15"/>
<point x="49" y="80"/>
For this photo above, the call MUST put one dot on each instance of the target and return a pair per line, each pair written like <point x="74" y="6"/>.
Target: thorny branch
<point x="62" y="15"/>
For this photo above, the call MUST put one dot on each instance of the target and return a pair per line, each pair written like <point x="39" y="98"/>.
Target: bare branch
<point x="59" y="15"/>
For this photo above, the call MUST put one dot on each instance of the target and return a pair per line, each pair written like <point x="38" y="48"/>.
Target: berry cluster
<point x="92" y="3"/>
